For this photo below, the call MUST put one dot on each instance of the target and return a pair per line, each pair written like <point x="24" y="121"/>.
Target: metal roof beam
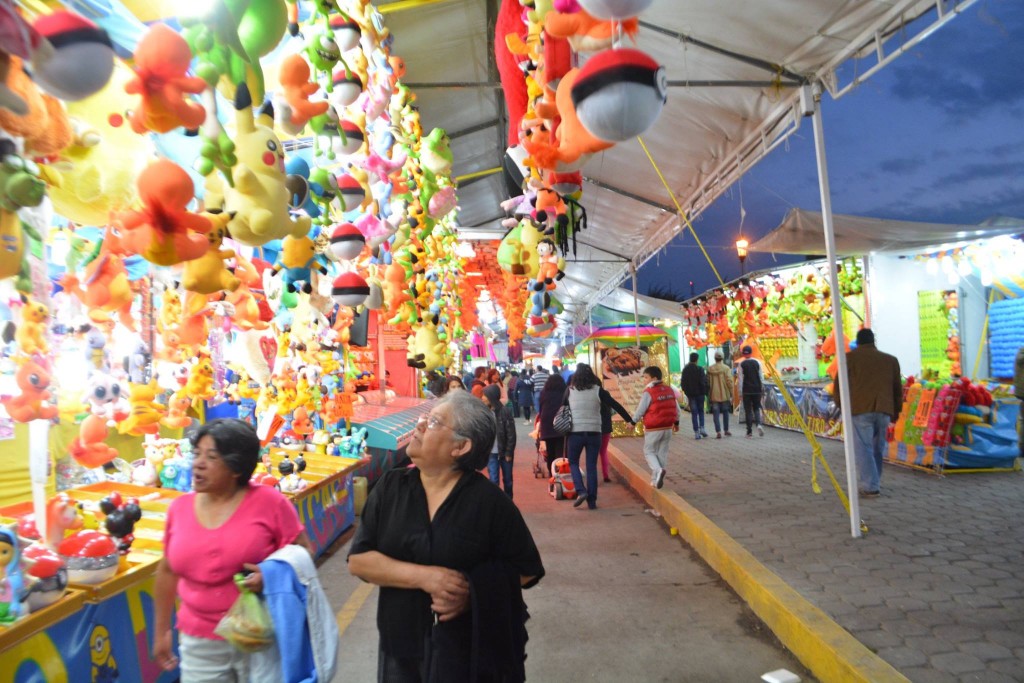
<point x="626" y="193"/>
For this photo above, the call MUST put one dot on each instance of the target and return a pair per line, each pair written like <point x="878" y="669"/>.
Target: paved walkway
<point x="936" y="586"/>
<point x="623" y="600"/>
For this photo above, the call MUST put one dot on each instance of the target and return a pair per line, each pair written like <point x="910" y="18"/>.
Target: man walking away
<point x="720" y="381"/>
<point x="751" y="382"/>
<point x="540" y="378"/>
<point x="695" y="386"/>
<point x="513" y="395"/>
<point x="876" y="396"/>
<point x="524" y="394"/>
<point x="660" y="412"/>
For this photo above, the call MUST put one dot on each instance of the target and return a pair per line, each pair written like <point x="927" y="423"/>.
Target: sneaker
<point x="704" y="433"/>
<point x="718" y="435"/>
<point x="869" y="494"/>
<point x="728" y="433"/>
<point x="696" y="435"/>
<point x="660" y="481"/>
<point x="749" y="435"/>
<point x="580" y="500"/>
<point x="760" y="430"/>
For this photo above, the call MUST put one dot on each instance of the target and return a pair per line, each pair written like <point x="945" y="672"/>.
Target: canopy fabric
<point x="734" y="71"/>
<point x="624" y="334"/>
<point x="802" y="232"/>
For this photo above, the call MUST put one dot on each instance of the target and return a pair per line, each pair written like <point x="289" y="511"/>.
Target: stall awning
<point x="802" y="232"/>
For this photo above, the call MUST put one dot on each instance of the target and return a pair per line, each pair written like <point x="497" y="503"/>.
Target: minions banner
<point x="326" y="512"/>
<point x="101" y="643"/>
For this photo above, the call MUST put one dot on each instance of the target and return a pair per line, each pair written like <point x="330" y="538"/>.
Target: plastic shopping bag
<point x="247" y="624"/>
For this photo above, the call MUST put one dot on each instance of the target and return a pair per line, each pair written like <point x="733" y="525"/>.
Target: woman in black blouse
<point x="551" y="398"/>
<point x="451" y="554"/>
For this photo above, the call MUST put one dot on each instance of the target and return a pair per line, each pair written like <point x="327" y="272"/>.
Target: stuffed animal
<point x="297" y="260"/>
<point x="20" y="186"/>
<point x="107" y="286"/>
<point x="293" y="108"/>
<point x="200" y="380"/>
<point x="248" y="314"/>
<point x="257" y="201"/>
<point x="89" y="449"/>
<point x="164" y="231"/>
<point x="82" y="60"/>
<point x="104" y="398"/>
<point x="31" y="334"/>
<point x="585" y="32"/>
<point x="177" y="411"/>
<point x="45" y="128"/>
<point x="33" y="379"/>
<point x="145" y="413"/>
<point x="162" y="59"/>
<point x="550" y="266"/>
<point x="207" y="274"/>
<point x="426" y="351"/>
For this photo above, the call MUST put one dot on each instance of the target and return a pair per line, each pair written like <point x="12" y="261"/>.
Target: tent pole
<point x="636" y="306"/>
<point x="837" y="314"/>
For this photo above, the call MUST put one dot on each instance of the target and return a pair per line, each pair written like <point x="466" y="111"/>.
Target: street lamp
<point x="741" y="251"/>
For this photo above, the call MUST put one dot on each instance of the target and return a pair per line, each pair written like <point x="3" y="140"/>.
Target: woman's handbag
<point x="562" y="421"/>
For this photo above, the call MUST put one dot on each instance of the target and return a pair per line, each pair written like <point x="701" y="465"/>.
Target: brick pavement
<point x="936" y="586"/>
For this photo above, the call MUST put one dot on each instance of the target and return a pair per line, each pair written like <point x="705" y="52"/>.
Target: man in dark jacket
<point x="876" y="397"/>
<point x="504" y="449"/>
<point x="751" y="382"/>
<point x="524" y="394"/>
<point x="695" y="387"/>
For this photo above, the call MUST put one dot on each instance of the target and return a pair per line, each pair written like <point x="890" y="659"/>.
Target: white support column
<point x="837" y="315"/>
<point x="636" y="306"/>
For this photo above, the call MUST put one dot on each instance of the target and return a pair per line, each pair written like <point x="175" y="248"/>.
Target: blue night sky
<point x="937" y="135"/>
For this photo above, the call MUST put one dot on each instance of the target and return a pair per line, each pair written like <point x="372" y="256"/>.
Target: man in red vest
<point x="660" y="412"/>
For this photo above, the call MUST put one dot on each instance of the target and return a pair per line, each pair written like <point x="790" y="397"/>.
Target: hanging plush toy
<point x="292" y="106"/>
<point x="20" y="187"/>
<point x="33" y="379"/>
<point x="31" y="333"/>
<point x="145" y="413"/>
<point x="164" y="231"/>
<point x="550" y="266"/>
<point x="258" y="199"/>
<point x="82" y="60"/>
<point x="208" y="274"/>
<point x="619" y="94"/>
<point x="107" y="288"/>
<point x="162" y="59"/>
<point x="297" y="261"/>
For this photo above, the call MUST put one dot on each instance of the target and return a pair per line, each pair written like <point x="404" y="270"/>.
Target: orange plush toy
<point x="90" y="449"/>
<point x="162" y="60"/>
<point x="107" y="288"/>
<point x="584" y="32"/>
<point x="33" y="378"/>
<point x="164" y="231"/>
<point x="294" y="110"/>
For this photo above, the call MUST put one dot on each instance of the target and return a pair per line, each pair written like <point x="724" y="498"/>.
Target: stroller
<point x="561" y="486"/>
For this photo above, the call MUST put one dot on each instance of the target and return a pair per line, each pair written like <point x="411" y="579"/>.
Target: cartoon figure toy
<point x="550" y="266"/>
<point x="200" y="380"/>
<point x="257" y="199"/>
<point x="89" y="449"/>
<point x="31" y="334"/>
<point x="12" y="577"/>
<point x="61" y="516"/>
<point x="105" y="398"/>
<point x="164" y="231"/>
<point x="294" y="109"/>
<point x="107" y="288"/>
<point x="33" y="378"/>
<point x="177" y="409"/>
<point x="119" y="519"/>
<point x="146" y="413"/>
<point x="290" y="481"/>
<point x="207" y="274"/>
<point x="162" y="59"/>
<point x="297" y="260"/>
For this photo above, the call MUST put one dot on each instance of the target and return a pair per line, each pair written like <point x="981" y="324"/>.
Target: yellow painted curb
<point x="822" y="645"/>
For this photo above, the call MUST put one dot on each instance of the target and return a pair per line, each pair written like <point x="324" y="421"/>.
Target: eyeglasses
<point x="432" y="422"/>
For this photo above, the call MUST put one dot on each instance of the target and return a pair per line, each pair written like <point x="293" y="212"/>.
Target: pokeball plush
<point x="355" y="138"/>
<point x="83" y="56"/>
<point x="346" y="32"/>
<point x="347" y="87"/>
<point x="614" y="9"/>
<point x="347" y="242"/>
<point x="91" y="556"/>
<point x="349" y="289"/>
<point x="350" y="191"/>
<point x="49" y="576"/>
<point x="619" y="94"/>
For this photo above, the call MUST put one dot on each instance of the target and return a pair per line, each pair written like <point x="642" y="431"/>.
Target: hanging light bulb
<point x="986" y="277"/>
<point x="946" y="264"/>
<point x="963" y="266"/>
<point x="932" y="266"/>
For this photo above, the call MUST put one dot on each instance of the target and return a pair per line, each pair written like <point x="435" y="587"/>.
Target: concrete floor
<point x="623" y="599"/>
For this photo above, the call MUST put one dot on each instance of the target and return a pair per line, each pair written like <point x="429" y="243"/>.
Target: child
<point x="660" y="412"/>
<point x="504" y="448"/>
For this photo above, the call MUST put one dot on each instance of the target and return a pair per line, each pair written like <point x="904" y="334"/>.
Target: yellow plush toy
<point x="207" y="274"/>
<point x="145" y="414"/>
<point x="258" y="199"/>
<point x="426" y="351"/>
<point x="31" y="334"/>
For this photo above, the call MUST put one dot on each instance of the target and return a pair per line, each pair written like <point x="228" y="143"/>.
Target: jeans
<point x="720" y="408"/>
<point x="868" y="446"/>
<point x="752" y="410"/>
<point x="696" y="412"/>
<point x="498" y="464"/>
<point x="536" y="401"/>
<point x="204" y="660"/>
<point x="592" y="442"/>
<point x="656" y="449"/>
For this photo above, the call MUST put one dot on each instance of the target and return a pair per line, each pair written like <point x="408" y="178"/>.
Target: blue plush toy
<point x="12" y="577"/>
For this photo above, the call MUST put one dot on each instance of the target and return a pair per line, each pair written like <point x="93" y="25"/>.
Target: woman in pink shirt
<point x="225" y="526"/>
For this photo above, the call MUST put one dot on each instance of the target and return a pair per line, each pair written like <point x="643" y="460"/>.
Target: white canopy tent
<point x="741" y="75"/>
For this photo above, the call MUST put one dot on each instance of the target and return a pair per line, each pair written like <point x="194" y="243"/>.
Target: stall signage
<point x="109" y="640"/>
<point x="326" y="512"/>
<point x="815" y="405"/>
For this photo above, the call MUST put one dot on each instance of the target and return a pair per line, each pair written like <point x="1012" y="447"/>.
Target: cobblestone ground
<point x="936" y="586"/>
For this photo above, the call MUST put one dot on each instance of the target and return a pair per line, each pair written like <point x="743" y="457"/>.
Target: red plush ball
<point x="347" y="242"/>
<point x="619" y="94"/>
<point x="82" y="60"/>
<point x="349" y="289"/>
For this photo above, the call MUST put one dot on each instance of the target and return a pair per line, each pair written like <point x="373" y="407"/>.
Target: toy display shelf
<point x="43" y="619"/>
<point x="389" y="427"/>
<point x="319" y="468"/>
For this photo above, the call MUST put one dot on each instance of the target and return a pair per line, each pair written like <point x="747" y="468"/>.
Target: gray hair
<point x="474" y="422"/>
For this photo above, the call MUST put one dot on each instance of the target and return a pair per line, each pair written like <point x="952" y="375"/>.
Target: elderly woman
<point x="433" y="535"/>
<point x="223" y="527"/>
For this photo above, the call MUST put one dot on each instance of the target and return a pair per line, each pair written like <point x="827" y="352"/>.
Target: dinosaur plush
<point x="585" y="32"/>
<point x="258" y="198"/>
<point x="90" y="449"/>
<point x="292" y="106"/>
<point x="44" y="127"/>
<point x="20" y="186"/>
<point x="107" y="288"/>
<point x="162" y="59"/>
<point x="164" y="231"/>
<point x="33" y="403"/>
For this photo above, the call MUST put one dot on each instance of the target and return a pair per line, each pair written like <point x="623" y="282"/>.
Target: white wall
<point x="893" y="286"/>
